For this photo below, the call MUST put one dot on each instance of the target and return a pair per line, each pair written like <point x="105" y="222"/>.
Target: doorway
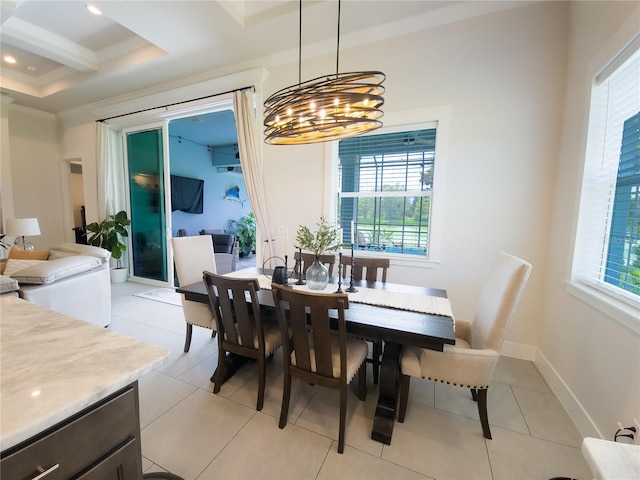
<point x="72" y="189"/>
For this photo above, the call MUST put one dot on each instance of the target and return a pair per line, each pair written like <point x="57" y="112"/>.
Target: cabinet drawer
<point x="79" y="441"/>
<point x="118" y="465"/>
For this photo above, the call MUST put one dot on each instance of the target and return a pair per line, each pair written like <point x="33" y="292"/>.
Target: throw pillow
<point x="20" y="254"/>
<point x="8" y="284"/>
<point x="15" y="265"/>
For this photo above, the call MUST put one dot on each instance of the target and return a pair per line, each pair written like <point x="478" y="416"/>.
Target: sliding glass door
<point x="146" y="187"/>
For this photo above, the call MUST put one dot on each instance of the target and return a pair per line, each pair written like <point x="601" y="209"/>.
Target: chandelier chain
<point x="300" y="46"/>
<point x="338" y="42"/>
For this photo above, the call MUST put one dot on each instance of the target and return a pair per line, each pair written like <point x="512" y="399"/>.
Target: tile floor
<point x="189" y="431"/>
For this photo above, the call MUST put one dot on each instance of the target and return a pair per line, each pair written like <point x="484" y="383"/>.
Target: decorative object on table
<point x="326" y="108"/>
<point x="110" y="234"/>
<point x="317" y="275"/>
<point x="351" y="288"/>
<point x="339" y="290"/>
<point x="21" y="228"/>
<point x="300" y="281"/>
<point x="245" y="231"/>
<point x="280" y="275"/>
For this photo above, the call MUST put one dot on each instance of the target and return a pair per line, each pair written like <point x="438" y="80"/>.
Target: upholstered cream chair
<point x="192" y="256"/>
<point x="471" y="362"/>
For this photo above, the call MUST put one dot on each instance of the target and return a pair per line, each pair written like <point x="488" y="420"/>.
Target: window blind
<point x="385" y="184"/>
<point x="605" y="242"/>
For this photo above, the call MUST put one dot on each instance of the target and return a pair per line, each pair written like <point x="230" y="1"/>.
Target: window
<point x="385" y="185"/>
<point x="607" y="254"/>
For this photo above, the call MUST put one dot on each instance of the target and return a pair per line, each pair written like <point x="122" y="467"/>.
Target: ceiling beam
<point x="37" y="40"/>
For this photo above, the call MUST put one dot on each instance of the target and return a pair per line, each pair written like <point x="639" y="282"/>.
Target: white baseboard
<point x="573" y="407"/>
<point x="519" y="350"/>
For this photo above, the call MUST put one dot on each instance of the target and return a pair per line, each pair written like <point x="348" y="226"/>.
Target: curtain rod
<point x="251" y="87"/>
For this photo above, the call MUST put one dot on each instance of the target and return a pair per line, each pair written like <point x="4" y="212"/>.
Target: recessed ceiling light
<point x="31" y="68"/>
<point x="93" y="9"/>
<point x="9" y="59"/>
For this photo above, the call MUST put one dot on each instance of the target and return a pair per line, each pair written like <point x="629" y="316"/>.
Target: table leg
<point x="385" y="415"/>
<point x="233" y="363"/>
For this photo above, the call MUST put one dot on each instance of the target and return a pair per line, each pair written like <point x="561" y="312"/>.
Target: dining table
<point x="397" y="314"/>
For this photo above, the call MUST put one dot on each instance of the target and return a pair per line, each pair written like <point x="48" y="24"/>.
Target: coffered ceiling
<point x="67" y="57"/>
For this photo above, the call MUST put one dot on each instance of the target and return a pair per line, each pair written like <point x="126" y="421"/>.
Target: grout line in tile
<point x="227" y="444"/>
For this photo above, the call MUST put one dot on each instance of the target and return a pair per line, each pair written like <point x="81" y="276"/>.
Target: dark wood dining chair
<point x="241" y="328"/>
<point x="372" y="270"/>
<point x="316" y="353"/>
<point x="328" y="259"/>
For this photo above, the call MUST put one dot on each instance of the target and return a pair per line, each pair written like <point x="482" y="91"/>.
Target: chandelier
<point x="326" y="108"/>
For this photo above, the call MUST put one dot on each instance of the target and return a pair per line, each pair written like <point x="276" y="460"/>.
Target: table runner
<point x="370" y="296"/>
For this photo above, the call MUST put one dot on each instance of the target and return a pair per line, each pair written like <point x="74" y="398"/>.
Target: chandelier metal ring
<point x="325" y="108"/>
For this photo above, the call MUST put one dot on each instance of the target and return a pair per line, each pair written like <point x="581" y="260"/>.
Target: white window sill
<point x="621" y="311"/>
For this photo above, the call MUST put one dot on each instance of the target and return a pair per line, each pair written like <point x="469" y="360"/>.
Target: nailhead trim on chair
<point x="455" y="384"/>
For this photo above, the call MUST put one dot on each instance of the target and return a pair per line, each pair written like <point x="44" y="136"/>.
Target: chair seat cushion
<point x="458" y="365"/>
<point x="272" y="336"/>
<point x="410" y="359"/>
<point x="357" y="351"/>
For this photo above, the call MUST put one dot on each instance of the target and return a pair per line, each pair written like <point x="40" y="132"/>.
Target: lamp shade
<point x="22" y="227"/>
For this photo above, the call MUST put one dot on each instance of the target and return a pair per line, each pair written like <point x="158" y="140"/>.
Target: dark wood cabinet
<point x="100" y="442"/>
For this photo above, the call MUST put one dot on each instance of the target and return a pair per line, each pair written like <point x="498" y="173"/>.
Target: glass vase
<point x="317" y="275"/>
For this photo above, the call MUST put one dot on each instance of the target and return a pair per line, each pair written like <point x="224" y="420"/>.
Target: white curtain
<point x="251" y="162"/>
<point x="110" y="159"/>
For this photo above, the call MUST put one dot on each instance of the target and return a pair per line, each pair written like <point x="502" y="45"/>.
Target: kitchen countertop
<point x="53" y="366"/>
<point x="610" y="460"/>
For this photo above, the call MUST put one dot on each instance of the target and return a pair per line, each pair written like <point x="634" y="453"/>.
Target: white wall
<point x="35" y="172"/>
<point x="592" y="361"/>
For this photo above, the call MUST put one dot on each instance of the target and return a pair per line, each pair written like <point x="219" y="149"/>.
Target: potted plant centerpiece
<point x="325" y="238"/>
<point x="109" y="234"/>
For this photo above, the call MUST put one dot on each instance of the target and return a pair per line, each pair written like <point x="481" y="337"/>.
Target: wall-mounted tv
<point x="187" y="194"/>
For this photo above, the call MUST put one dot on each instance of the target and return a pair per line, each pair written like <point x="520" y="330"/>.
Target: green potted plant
<point x="325" y="238"/>
<point x="110" y="234"/>
<point x="245" y="231"/>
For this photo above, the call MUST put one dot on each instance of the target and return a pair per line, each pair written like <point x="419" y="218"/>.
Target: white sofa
<point x="74" y="281"/>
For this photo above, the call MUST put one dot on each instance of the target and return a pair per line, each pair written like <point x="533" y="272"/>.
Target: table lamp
<point x="23" y="227"/>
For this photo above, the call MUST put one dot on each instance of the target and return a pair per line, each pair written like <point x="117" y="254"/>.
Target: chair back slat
<point x="321" y="337"/>
<point x="299" y="336"/>
<point x="305" y="317"/>
<point x="370" y="269"/>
